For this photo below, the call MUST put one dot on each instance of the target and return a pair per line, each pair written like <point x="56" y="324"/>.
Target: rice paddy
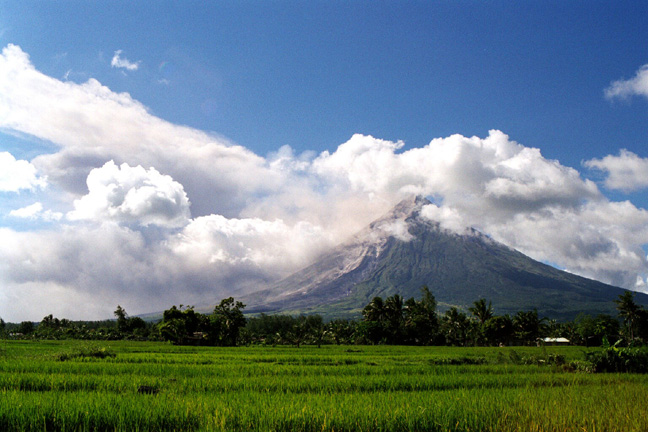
<point x="136" y="386"/>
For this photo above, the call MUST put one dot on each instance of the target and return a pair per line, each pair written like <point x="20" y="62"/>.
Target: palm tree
<point x="456" y="326"/>
<point x="375" y="310"/>
<point x="394" y="318"/>
<point x="629" y="310"/>
<point x="420" y="320"/>
<point x="481" y="311"/>
<point x="528" y="326"/>
<point x="394" y="309"/>
<point x="374" y="316"/>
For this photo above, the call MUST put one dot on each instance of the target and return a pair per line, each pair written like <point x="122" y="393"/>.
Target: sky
<point x="156" y="153"/>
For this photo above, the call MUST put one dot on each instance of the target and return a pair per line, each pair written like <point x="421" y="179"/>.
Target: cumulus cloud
<point x="269" y="249"/>
<point x="500" y="175"/>
<point x="602" y="240"/>
<point x="211" y="258"/>
<point x="132" y="195"/>
<point x="506" y="190"/>
<point x="226" y="220"/>
<point x="91" y="125"/>
<point x="626" y="172"/>
<point x="635" y="86"/>
<point x="16" y="175"/>
<point x="70" y="268"/>
<point x="123" y="63"/>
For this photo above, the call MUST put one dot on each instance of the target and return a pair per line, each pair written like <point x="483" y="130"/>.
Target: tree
<point x="25" y="327"/>
<point x="456" y="327"/>
<point x="307" y="328"/>
<point x="498" y="330"/>
<point x="629" y="311"/>
<point x="421" y="322"/>
<point x="317" y="331"/>
<point x="180" y="326"/>
<point x="374" y="316"/>
<point x="375" y="310"/>
<point x="342" y="331"/>
<point x="592" y="331"/>
<point x="528" y="326"/>
<point x="394" y="319"/>
<point x="481" y="311"/>
<point x="122" y="319"/>
<point x="227" y="321"/>
<point x="641" y="325"/>
<point x="270" y="329"/>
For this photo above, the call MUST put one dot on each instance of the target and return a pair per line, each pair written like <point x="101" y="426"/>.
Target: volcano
<point x="403" y="251"/>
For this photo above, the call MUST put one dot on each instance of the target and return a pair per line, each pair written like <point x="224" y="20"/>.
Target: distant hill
<point x="402" y="251"/>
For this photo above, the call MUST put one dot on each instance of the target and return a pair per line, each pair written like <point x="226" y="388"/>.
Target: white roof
<point x="559" y="340"/>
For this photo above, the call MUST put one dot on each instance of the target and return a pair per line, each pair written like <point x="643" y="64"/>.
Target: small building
<point x="554" y="341"/>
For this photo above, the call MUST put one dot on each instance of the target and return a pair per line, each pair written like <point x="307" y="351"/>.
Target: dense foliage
<point x="390" y="321"/>
<point x="615" y="359"/>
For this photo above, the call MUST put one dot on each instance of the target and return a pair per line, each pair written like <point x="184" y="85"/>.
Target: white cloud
<point x="256" y="219"/>
<point x="91" y="124"/>
<point x="508" y="191"/>
<point x="269" y="248"/>
<point x="123" y="63"/>
<point x="502" y="175"/>
<point x="82" y="271"/>
<point x="448" y="218"/>
<point x="16" y="175"/>
<point x="396" y="228"/>
<point x="35" y="211"/>
<point x="132" y="195"/>
<point x="635" y="86"/>
<point x="627" y="171"/>
<point x="29" y="212"/>
<point x="105" y="265"/>
<point x="601" y="240"/>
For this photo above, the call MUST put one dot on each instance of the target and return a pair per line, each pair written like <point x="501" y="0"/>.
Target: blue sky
<point x="311" y="74"/>
<point x="304" y="110"/>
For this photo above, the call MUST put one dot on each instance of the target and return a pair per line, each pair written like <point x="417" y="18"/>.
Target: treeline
<point x="393" y="321"/>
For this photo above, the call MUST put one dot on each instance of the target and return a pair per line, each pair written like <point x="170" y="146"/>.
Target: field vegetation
<point x="145" y="386"/>
<point x="403" y="366"/>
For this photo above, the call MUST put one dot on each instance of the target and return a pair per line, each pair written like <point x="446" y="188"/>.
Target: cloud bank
<point x="160" y="214"/>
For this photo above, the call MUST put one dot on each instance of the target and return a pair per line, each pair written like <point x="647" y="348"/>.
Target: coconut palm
<point x="375" y="310"/>
<point x="481" y="311"/>
<point x="629" y="310"/>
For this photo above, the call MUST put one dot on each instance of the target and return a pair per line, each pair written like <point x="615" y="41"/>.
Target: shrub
<point x="613" y="359"/>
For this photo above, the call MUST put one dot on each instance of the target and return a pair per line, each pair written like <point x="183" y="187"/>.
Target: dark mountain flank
<point x="402" y="251"/>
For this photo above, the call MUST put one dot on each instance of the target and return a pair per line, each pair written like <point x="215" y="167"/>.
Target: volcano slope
<point x="403" y="251"/>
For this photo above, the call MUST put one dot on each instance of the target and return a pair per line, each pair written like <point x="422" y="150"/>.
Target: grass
<point x="308" y="389"/>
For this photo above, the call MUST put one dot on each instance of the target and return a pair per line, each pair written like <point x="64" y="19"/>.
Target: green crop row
<point x="160" y="387"/>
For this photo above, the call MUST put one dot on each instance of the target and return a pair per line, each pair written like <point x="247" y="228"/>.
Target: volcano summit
<point x="403" y="250"/>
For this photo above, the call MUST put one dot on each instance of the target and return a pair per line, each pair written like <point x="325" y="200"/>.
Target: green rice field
<point x="138" y="386"/>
